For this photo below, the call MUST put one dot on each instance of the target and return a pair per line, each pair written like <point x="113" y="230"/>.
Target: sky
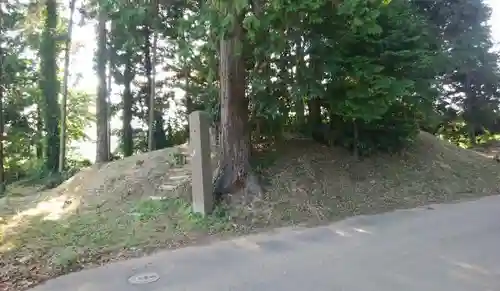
<point x="495" y="19"/>
<point x="82" y="64"/>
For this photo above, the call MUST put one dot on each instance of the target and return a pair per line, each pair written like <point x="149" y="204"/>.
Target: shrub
<point x="396" y="129"/>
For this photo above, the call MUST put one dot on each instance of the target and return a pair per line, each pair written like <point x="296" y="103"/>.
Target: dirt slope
<point x="314" y="183"/>
<point x="100" y="214"/>
<point x="139" y="204"/>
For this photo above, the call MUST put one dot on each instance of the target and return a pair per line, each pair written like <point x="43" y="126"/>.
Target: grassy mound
<point x="139" y="204"/>
<point x="121" y="209"/>
<point x="312" y="183"/>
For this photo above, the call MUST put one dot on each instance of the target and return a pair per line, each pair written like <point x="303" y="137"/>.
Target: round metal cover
<point x="144" y="278"/>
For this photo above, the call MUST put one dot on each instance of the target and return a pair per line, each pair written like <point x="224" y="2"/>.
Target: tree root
<point x="243" y="188"/>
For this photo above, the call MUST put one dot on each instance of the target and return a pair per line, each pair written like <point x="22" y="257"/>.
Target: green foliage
<point x="470" y="72"/>
<point x="394" y="131"/>
<point x="383" y="57"/>
<point x="24" y="99"/>
<point x="34" y="172"/>
<point x="147" y="210"/>
<point x="78" y="115"/>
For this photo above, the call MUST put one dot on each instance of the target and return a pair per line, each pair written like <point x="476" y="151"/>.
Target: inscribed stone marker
<point x="199" y="135"/>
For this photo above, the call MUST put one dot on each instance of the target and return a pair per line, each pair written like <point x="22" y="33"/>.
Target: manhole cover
<point x="144" y="278"/>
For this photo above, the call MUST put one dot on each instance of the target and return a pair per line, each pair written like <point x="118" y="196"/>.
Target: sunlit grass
<point x="61" y="231"/>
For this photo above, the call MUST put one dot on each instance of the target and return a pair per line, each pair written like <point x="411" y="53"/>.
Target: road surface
<point x="450" y="247"/>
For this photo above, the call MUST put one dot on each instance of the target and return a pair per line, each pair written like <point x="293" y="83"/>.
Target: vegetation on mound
<point x="73" y="226"/>
<point x="317" y="184"/>
<point x="123" y="209"/>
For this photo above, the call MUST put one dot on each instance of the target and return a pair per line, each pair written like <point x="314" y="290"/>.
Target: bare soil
<point x="140" y="204"/>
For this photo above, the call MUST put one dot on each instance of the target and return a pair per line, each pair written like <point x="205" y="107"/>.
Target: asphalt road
<point x="451" y="247"/>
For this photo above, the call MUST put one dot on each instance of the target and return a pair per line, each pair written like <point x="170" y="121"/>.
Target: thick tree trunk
<point x="234" y="170"/>
<point x="189" y="103"/>
<point x="49" y="86"/>
<point x="314" y="106"/>
<point x="67" y="54"/>
<point x="127" y="140"/>
<point x="159" y="133"/>
<point x="472" y="134"/>
<point x="102" y="147"/>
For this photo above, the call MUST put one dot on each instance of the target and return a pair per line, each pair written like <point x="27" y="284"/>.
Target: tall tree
<point x="470" y="78"/>
<point x="49" y="85"/>
<point x="234" y="169"/>
<point x="109" y="89"/>
<point x="128" y="76"/>
<point x="2" y="86"/>
<point x="152" y="78"/>
<point x="102" y="146"/>
<point x="64" y="101"/>
<point x="2" y="72"/>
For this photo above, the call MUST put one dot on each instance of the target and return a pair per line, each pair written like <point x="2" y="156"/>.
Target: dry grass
<point x="315" y="184"/>
<point x="139" y="204"/>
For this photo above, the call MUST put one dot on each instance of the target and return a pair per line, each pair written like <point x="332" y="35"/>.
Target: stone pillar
<point x="199" y="134"/>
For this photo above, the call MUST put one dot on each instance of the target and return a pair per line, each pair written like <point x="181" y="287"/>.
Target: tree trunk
<point x="153" y="115"/>
<point x="284" y="95"/>
<point x="314" y="106"/>
<point x="127" y="140"/>
<point x="159" y="133"/>
<point x="2" y="85"/>
<point x="188" y="101"/>
<point x="49" y="86"/>
<point x="152" y="111"/>
<point x="156" y="133"/>
<point x="109" y="91"/>
<point x="148" y="68"/>
<point x="299" y="102"/>
<point x="39" y="133"/>
<point x="472" y="134"/>
<point x="234" y="174"/>
<point x="102" y="148"/>
<point x="469" y="108"/>
<point x="355" y="144"/>
<point x="67" y="54"/>
<point x="189" y="98"/>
